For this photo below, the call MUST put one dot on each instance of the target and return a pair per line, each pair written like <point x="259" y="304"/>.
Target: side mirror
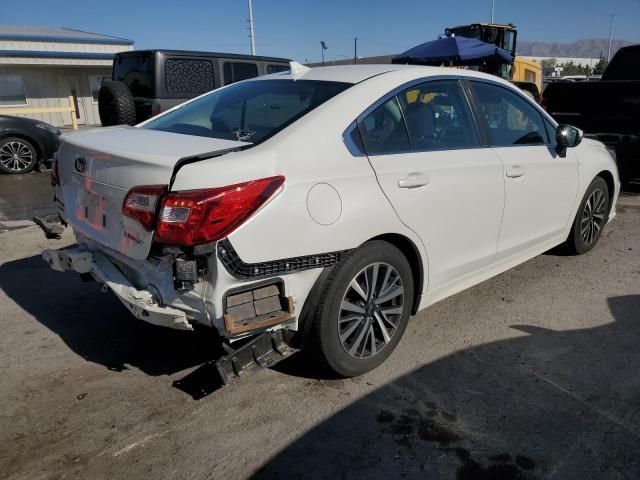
<point x="567" y="137"/>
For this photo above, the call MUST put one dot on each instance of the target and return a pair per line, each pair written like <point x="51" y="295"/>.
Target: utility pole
<point x="252" y="35"/>
<point x="493" y="9"/>
<point x="610" y="37"/>
<point x="355" y="50"/>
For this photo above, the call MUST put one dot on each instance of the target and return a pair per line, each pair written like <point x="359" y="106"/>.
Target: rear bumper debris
<point x="141" y="303"/>
<point x="263" y="351"/>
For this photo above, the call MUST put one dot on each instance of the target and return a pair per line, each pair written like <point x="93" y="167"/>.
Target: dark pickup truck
<point x="607" y="110"/>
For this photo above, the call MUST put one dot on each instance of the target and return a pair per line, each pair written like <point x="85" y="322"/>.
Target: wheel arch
<point x="412" y="254"/>
<point x="607" y="176"/>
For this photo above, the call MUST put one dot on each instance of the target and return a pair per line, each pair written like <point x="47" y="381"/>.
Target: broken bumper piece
<point x="262" y="351"/>
<point x="141" y="303"/>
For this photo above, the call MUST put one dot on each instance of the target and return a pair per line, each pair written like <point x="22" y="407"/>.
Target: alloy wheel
<point x="15" y="156"/>
<point x="371" y="310"/>
<point x="593" y="216"/>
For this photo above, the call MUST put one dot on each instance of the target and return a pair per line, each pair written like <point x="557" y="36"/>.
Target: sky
<point x="294" y="28"/>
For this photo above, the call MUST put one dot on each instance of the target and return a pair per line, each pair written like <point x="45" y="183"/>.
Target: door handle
<point x="414" y="180"/>
<point x="515" y="172"/>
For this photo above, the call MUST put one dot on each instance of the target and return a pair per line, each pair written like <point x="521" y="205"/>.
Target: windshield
<point x="248" y="111"/>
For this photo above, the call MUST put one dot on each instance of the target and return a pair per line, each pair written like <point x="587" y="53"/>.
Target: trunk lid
<point x="98" y="167"/>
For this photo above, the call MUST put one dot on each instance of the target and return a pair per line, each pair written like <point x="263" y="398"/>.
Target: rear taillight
<point x="140" y="203"/>
<point x="55" y="178"/>
<point x="194" y="217"/>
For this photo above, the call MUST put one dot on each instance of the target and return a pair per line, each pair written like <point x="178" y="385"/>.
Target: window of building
<point x="511" y="120"/>
<point x="12" y="91"/>
<point x="236" y="71"/>
<point x="95" y="82"/>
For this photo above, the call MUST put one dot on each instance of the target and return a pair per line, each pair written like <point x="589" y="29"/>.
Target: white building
<point x="41" y="67"/>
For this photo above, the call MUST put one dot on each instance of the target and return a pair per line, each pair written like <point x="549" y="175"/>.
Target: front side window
<point x="236" y="71"/>
<point x="384" y="131"/>
<point x="438" y="116"/>
<point x="511" y="120"/>
<point x="12" y="90"/>
<point x="249" y="111"/>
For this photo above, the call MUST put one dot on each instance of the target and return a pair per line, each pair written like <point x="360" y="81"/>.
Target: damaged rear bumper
<point x="141" y="303"/>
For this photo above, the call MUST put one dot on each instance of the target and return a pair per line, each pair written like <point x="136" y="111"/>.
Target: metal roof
<point x="54" y="34"/>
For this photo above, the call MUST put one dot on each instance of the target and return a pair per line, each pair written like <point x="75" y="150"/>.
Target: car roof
<point x="358" y="73"/>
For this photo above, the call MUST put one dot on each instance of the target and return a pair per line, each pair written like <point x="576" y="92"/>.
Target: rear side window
<point x="509" y="118"/>
<point x="184" y="75"/>
<point x="236" y="71"/>
<point x="248" y="111"/>
<point x="438" y="116"/>
<point x="384" y="131"/>
<point x="277" y="68"/>
<point x="137" y="72"/>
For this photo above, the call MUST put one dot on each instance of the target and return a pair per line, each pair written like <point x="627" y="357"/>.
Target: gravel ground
<point x="532" y="374"/>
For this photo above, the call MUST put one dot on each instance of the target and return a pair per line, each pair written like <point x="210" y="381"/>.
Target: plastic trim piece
<point x="239" y="269"/>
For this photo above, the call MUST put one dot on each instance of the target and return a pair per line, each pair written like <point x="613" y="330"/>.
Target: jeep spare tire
<point x="116" y="105"/>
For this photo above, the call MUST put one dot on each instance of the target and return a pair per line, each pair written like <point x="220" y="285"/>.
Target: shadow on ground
<point x="96" y="326"/>
<point x="549" y="404"/>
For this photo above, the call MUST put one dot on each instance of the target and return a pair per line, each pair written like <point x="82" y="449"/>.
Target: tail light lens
<point x="140" y="204"/>
<point x="194" y="217"/>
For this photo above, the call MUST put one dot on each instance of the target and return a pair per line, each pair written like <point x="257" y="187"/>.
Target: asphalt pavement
<point x="532" y="374"/>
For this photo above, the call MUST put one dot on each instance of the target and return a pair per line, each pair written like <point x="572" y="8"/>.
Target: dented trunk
<point x="97" y="168"/>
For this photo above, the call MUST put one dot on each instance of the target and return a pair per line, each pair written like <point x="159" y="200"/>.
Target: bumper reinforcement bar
<point x="264" y="351"/>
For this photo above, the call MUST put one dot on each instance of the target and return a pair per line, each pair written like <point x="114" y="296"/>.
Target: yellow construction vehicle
<point x="524" y="73"/>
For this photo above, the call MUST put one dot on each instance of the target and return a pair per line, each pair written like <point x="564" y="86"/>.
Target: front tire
<point x="17" y="155"/>
<point x="592" y="216"/>
<point x="363" y="310"/>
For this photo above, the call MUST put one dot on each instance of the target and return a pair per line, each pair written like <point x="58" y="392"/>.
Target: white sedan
<point x="323" y="207"/>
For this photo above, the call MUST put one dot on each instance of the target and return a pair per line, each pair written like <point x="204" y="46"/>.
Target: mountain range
<point x="588" y="48"/>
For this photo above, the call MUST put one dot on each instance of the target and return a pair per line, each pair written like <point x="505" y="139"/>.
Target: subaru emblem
<point x="81" y="164"/>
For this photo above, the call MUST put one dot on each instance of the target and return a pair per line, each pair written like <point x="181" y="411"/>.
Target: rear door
<point x="445" y="186"/>
<point x="540" y="185"/>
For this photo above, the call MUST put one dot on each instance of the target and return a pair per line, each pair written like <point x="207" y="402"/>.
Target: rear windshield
<point x="248" y="111"/>
<point x="137" y="72"/>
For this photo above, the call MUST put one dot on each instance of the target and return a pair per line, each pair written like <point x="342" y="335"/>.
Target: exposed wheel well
<point x="26" y="138"/>
<point x="608" y="177"/>
<point x="410" y="251"/>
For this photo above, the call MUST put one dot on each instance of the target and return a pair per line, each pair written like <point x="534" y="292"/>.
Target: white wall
<point x="50" y="86"/>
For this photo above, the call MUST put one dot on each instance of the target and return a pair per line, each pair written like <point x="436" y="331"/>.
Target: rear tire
<point x="592" y="216"/>
<point x="116" y="105"/>
<point x="17" y="155"/>
<point x="359" y="321"/>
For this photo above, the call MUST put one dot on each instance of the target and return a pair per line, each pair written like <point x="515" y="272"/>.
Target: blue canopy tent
<point x="454" y="51"/>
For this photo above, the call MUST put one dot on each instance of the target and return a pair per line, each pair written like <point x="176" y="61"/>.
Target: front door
<point x="423" y="146"/>
<point x="540" y="185"/>
<point x="69" y="86"/>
